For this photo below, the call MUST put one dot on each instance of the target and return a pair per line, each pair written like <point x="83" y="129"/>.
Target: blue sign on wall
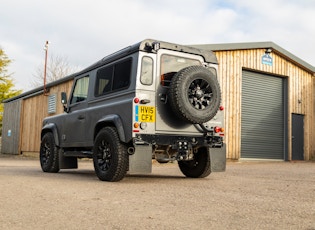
<point x="266" y="59"/>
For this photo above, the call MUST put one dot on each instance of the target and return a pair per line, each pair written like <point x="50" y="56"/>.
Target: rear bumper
<point x="196" y="141"/>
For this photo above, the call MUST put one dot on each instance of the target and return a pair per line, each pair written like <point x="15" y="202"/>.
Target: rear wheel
<point x="49" y="154"/>
<point x="110" y="156"/>
<point x="198" y="167"/>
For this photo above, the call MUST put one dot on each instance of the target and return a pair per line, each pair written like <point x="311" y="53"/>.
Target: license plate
<point x="145" y="113"/>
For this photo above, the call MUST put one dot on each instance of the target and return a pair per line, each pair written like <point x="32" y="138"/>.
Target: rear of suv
<point x="153" y="100"/>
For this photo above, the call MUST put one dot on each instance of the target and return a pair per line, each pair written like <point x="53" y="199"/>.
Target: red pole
<point x="45" y="67"/>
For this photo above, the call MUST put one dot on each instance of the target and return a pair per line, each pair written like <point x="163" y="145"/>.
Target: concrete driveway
<point x="249" y="195"/>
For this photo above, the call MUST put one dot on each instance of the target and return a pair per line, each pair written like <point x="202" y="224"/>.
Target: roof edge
<point x="257" y="45"/>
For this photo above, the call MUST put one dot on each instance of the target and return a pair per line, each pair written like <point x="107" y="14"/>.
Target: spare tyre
<point x="195" y="94"/>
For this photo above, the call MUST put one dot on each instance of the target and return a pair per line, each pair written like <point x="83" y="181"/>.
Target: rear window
<point x="113" y="77"/>
<point x="171" y="64"/>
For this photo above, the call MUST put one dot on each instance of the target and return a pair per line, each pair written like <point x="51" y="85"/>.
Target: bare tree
<point x="57" y="68"/>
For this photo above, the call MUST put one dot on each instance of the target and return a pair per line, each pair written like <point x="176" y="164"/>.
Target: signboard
<point x="266" y="59"/>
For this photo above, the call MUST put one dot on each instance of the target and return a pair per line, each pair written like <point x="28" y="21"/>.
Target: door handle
<point x="81" y="117"/>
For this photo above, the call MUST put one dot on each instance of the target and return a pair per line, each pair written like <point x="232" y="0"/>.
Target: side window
<point x="104" y="78"/>
<point x="122" y="74"/>
<point x="80" y="91"/>
<point x="146" y="77"/>
<point x="113" y="77"/>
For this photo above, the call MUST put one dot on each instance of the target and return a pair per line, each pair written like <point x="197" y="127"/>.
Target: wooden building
<point x="268" y="95"/>
<point x="23" y="116"/>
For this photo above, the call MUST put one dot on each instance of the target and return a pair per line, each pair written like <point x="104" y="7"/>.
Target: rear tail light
<point x="218" y="129"/>
<point x="136" y="100"/>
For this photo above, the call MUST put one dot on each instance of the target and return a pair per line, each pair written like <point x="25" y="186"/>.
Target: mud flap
<point x="218" y="159"/>
<point x="141" y="160"/>
<point x="67" y="162"/>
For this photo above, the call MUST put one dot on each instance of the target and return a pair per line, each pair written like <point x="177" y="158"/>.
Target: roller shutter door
<point x="262" y="134"/>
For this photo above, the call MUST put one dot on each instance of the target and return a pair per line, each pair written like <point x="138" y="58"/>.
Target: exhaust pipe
<point x="131" y="150"/>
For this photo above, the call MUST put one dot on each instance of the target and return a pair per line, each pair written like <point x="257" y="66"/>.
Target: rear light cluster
<point x="137" y="124"/>
<point x="218" y="129"/>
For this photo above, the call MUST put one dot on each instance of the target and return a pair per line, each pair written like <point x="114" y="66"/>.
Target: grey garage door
<point x="262" y="134"/>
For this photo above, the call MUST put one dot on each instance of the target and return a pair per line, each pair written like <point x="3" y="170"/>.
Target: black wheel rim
<point x="46" y="152"/>
<point x="104" y="156"/>
<point x="200" y="94"/>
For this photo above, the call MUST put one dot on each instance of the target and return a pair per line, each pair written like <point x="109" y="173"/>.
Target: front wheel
<point x="110" y="156"/>
<point x="49" y="154"/>
<point x="199" y="167"/>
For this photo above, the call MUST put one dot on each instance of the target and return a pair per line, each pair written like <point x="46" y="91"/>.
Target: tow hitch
<point x="185" y="151"/>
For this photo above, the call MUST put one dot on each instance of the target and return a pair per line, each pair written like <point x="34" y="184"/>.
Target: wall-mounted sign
<point x="266" y="59"/>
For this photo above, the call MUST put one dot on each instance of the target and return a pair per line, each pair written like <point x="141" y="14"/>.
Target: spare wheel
<point x="195" y="94"/>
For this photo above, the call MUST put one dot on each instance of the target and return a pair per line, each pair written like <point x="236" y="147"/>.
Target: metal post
<point x="45" y="67"/>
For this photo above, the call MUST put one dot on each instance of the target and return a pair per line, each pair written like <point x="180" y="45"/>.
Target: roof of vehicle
<point x="145" y="45"/>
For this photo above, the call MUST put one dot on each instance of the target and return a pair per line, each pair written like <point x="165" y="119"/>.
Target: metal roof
<point x="258" y="45"/>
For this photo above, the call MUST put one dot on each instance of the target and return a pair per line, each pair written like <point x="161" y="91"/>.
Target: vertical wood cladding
<point x="34" y="110"/>
<point x="300" y="95"/>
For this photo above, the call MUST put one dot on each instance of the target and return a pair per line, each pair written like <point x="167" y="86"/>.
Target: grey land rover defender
<point x="152" y="100"/>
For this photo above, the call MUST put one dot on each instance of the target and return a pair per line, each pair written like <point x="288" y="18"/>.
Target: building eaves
<point x="40" y="90"/>
<point x="259" y="45"/>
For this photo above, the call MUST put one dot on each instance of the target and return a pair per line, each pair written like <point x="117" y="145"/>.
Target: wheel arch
<point x="51" y="127"/>
<point x="113" y="120"/>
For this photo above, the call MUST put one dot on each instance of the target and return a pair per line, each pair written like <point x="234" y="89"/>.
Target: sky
<point x="83" y="32"/>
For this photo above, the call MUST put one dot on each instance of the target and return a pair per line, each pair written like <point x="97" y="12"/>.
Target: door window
<point x="80" y="91"/>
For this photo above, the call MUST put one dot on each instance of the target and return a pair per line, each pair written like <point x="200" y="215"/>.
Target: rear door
<point x="168" y="64"/>
<point x="144" y="104"/>
<point x="297" y="137"/>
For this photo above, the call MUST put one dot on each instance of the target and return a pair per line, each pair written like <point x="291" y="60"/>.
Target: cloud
<point x="86" y="31"/>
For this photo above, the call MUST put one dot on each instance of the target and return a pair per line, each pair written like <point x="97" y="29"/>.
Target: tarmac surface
<point x="249" y="195"/>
